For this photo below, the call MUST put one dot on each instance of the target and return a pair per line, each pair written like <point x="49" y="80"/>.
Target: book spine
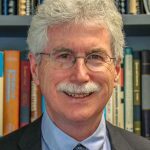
<point x="43" y="104"/>
<point x="128" y="89"/>
<point x="127" y="4"/>
<point x="141" y="7"/>
<point x="1" y="7"/>
<point x="145" y="55"/>
<point x="115" y="106"/>
<point x="35" y="102"/>
<point x="1" y="91"/>
<point x="21" y="7"/>
<point x="136" y="93"/>
<point x="11" y="95"/>
<point x="148" y="3"/>
<point x="12" y="7"/>
<point x="145" y="3"/>
<point x="120" y="92"/>
<point x="122" y="6"/>
<point x="25" y="98"/>
<point x="5" y="7"/>
<point x="133" y="7"/>
<point x="110" y="110"/>
<point x="28" y="7"/>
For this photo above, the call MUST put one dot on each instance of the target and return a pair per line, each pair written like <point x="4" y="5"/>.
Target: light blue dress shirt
<point x="55" y="139"/>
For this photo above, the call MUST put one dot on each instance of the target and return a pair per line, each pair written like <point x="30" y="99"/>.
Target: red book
<point x="25" y="93"/>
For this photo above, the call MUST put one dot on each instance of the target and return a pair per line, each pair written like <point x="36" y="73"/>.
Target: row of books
<point x="20" y="98"/>
<point x="133" y="6"/>
<point x="28" y="7"/>
<point x="129" y="107"/>
<point x="18" y="7"/>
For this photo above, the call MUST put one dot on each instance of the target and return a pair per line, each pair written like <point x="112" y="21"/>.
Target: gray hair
<point x="95" y="12"/>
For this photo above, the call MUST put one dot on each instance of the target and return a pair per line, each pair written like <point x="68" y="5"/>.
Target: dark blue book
<point x="5" y="7"/>
<point x="43" y="104"/>
<point x="145" y="57"/>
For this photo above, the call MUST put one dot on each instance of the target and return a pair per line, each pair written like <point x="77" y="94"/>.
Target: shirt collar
<point x="56" y="139"/>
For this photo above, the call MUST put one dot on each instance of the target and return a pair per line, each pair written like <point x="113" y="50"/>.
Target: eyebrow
<point x="62" y="49"/>
<point x="95" y="50"/>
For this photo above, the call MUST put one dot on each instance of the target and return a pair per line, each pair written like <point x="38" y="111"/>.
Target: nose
<point x="80" y="73"/>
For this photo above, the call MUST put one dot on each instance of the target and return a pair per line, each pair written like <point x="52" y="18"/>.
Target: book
<point x="120" y="99"/>
<point x="43" y="104"/>
<point x="137" y="92"/>
<point x="1" y="90"/>
<point x="134" y="7"/>
<point x="115" y="106"/>
<point x="36" y="96"/>
<point x="122" y="7"/>
<point x="28" y="7"/>
<point x="0" y="7"/>
<point x="128" y="87"/>
<point x="110" y="109"/>
<point x="25" y="92"/>
<point x="21" y="7"/>
<point x="145" y="58"/>
<point x="141" y="5"/>
<point x="12" y="7"/>
<point x="146" y="4"/>
<point x="11" y="92"/>
<point x="5" y="7"/>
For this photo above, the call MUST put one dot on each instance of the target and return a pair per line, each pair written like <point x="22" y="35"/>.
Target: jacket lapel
<point x="117" y="141"/>
<point x="31" y="138"/>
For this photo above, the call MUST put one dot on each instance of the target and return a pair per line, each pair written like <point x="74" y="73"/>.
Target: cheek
<point x="49" y="78"/>
<point x="44" y="77"/>
<point x="106" y="80"/>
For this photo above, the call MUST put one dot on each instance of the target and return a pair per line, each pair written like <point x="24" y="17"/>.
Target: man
<point x="76" y="47"/>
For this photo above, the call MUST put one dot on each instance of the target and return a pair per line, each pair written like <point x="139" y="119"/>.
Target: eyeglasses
<point x="66" y="59"/>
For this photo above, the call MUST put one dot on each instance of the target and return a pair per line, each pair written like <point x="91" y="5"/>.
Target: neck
<point x="78" y="130"/>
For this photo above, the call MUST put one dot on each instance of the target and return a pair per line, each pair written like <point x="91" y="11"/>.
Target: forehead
<point x="78" y="37"/>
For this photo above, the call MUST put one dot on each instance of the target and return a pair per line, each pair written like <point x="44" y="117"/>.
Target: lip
<point x="78" y="98"/>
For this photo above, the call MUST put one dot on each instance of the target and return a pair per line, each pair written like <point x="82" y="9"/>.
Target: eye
<point x="63" y="56"/>
<point x="95" y="57"/>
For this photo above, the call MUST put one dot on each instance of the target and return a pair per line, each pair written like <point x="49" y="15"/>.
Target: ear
<point x="34" y="68"/>
<point x="117" y="72"/>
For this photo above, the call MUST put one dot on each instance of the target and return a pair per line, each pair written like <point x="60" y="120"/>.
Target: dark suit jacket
<point x="29" y="138"/>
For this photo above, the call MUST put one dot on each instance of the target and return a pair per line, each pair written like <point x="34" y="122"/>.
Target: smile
<point x="78" y="95"/>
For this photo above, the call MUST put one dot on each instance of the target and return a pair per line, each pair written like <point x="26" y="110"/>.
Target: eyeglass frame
<point x="77" y="57"/>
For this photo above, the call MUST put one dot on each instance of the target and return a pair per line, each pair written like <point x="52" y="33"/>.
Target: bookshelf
<point x="13" y="31"/>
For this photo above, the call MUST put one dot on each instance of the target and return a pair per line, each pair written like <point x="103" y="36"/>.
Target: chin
<point x="82" y="115"/>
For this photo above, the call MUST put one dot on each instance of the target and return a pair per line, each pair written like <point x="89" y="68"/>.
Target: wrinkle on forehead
<point x="71" y="27"/>
<point x="79" y="32"/>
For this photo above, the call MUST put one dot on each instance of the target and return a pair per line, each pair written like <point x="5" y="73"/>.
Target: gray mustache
<point x="78" y="89"/>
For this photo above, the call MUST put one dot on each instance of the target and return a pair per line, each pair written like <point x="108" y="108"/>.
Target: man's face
<point x="65" y="107"/>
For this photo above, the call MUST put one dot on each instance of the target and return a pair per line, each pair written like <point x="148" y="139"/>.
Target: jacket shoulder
<point x="10" y="141"/>
<point x="137" y="142"/>
<point x="134" y="141"/>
